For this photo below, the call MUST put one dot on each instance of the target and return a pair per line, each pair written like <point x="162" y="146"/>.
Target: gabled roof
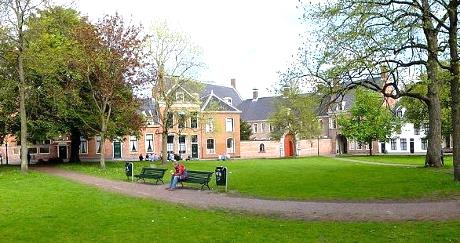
<point x="148" y="109"/>
<point x="258" y="110"/>
<point x="214" y="103"/>
<point x="222" y="92"/>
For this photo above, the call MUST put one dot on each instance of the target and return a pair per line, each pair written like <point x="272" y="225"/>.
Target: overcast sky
<point x="249" y="40"/>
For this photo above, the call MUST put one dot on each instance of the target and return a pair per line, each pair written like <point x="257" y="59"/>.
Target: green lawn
<point x="39" y="208"/>
<point x="315" y="178"/>
<point x="398" y="159"/>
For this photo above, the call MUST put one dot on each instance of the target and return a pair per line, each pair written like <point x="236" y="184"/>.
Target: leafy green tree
<point x="245" y="130"/>
<point x="295" y="113"/>
<point x="359" y="37"/>
<point x="108" y="65"/>
<point x="13" y="16"/>
<point x="369" y="119"/>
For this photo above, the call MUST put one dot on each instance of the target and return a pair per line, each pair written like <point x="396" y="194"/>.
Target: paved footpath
<point x="375" y="211"/>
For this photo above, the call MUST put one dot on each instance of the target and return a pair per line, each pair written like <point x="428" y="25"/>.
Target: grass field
<point x="315" y="178"/>
<point x="40" y="208"/>
<point x="399" y="159"/>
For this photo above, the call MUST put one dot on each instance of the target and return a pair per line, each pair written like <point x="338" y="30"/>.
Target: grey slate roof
<point x="148" y="108"/>
<point x="222" y="92"/>
<point x="258" y="110"/>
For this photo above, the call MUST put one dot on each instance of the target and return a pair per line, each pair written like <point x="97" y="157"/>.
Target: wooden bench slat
<point x="199" y="177"/>
<point x="151" y="173"/>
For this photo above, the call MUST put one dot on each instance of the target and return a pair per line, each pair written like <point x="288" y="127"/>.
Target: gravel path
<point x="375" y="211"/>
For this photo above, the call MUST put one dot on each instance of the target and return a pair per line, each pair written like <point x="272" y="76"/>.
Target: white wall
<point x="408" y="133"/>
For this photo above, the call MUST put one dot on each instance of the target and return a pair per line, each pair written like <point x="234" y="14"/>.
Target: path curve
<point x="375" y="211"/>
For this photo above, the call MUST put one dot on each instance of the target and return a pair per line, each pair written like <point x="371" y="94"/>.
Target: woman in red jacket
<point x="179" y="174"/>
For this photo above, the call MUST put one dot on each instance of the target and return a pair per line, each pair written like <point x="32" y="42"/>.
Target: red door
<point x="288" y="145"/>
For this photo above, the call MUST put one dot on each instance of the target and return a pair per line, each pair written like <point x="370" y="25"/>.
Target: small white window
<point x="98" y="145"/>
<point x="230" y="146"/>
<point x="180" y="97"/>
<point x="210" y="125"/>
<point x="83" y="146"/>
<point x="229" y="125"/>
<point x="133" y="143"/>
<point x="210" y="146"/>
<point x="332" y="123"/>
<point x="44" y="150"/>
<point x="228" y="100"/>
<point x="393" y="144"/>
<point x="254" y="128"/>
<point x="182" y="146"/>
<point x="170" y="143"/>
<point x="149" y="143"/>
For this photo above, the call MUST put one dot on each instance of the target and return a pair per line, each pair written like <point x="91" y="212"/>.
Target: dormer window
<point x="399" y="113"/>
<point x="180" y="97"/>
<point x="341" y="106"/>
<point x="228" y="100"/>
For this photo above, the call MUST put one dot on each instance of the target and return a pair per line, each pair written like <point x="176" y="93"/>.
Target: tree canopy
<point x="368" y="120"/>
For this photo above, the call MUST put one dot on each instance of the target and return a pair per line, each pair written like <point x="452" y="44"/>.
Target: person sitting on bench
<point x="179" y="173"/>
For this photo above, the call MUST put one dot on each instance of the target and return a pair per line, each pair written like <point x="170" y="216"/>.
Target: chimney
<point x="233" y="83"/>
<point x="255" y="94"/>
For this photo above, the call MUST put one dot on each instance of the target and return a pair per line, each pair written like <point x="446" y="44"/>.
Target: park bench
<point x="198" y="177"/>
<point x="151" y="173"/>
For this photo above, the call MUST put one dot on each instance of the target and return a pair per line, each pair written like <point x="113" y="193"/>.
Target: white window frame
<point x="36" y="150"/>
<point x="213" y="150"/>
<point x="228" y="100"/>
<point x="194" y="116"/>
<point x="40" y="150"/>
<point x="170" y="146"/>
<point x="98" y="145"/>
<point x="332" y="123"/>
<point x="133" y="141"/>
<point x="424" y="143"/>
<point x="147" y="136"/>
<point x="255" y="128"/>
<point x="230" y="150"/>
<point x="401" y="143"/>
<point x="209" y="125"/>
<point x="229" y="125"/>
<point x="182" y="146"/>
<point x="393" y="141"/>
<point x="85" y="142"/>
<point x="180" y="97"/>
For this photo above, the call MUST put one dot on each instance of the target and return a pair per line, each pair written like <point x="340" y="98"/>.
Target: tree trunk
<point x="455" y="86"/>
<point x="370" y="148"/>
<point x="75" y="145"/>
<point x="433" y="155"/>
<point x="102" y="160"/>
<point x="164" y="146"/>
<point x="22" y="107"/>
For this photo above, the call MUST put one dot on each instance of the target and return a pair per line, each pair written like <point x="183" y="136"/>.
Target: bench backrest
<point x="199" y="175"/>
<point x="153" y="171"/>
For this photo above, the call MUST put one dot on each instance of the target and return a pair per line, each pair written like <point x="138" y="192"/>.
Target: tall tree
<point x="369" y="119"/>
<point x="360" y="36"/>
<point x="173" y="62"/>
<point x="14" y="14"/>
<point x="109" y="65"/>
<point x="52" y="48"/>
